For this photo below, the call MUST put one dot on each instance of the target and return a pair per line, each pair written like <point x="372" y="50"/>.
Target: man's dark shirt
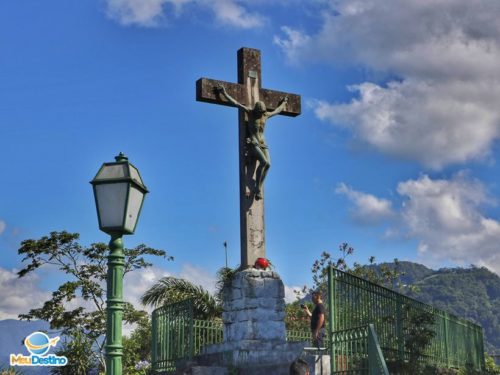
<point x="318" y="310"/>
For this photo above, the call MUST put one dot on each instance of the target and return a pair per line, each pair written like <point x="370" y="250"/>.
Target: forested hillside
<point x="472" y="293"/>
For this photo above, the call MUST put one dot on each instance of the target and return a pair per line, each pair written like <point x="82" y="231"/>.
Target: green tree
<point x="419" y="325"/>
<point x="491" y="366"/>
<point x="137" y="347"/>
<point x="170" y="289"/>
<point x="78" y="349"/>
<point x="295" y="317"/>
<point x="385" y="275"/>
<point x="10" y="371"/>
<point x="86" y="268"/>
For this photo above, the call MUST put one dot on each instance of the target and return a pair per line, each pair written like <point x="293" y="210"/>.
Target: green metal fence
<point x="176" y="335"/>
<point x="357" y="351"/>
<point x="349" y="351"/>
<point x="376" y="358"/>
<point x="355" y="302"/>
<point x="371" y="327"/>
<point x="172" y="332"/>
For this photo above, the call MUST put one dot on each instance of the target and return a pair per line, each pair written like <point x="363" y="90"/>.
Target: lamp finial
<point x="121" y="157"/>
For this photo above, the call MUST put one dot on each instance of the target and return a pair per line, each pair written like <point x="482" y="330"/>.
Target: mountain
<point x="472" y="293"/>
<point x="13" y="333"/>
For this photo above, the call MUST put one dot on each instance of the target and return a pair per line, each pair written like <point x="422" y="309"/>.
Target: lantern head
<point x="119" y="194"/>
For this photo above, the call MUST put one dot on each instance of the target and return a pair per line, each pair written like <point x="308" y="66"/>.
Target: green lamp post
<point x="119" y="194"/>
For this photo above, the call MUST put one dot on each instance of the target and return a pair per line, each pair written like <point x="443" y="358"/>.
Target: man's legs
<point x="318" y="342"/>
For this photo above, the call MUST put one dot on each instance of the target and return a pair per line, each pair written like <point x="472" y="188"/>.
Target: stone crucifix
<point x="255" y="106"/>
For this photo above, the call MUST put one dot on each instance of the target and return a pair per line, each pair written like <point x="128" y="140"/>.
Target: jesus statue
<point x="257" y="117"/>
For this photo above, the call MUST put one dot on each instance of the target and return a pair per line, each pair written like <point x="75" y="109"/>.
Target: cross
<point x="248" y="91"/>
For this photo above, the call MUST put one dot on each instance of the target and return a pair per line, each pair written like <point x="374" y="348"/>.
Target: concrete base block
<point x="256" y="370"/>
<point x="205" y="370"/>
<point x="248" y="354"/>
<point x="318" y="364"/>
<point x="250" y="358"/>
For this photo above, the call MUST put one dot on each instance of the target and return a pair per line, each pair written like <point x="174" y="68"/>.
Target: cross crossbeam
<point x="205" y="92"/>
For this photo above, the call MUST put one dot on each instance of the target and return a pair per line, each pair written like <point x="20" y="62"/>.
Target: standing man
<point x="318" y="321"/>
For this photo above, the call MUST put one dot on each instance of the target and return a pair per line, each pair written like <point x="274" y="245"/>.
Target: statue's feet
<point x="258" y="195"/>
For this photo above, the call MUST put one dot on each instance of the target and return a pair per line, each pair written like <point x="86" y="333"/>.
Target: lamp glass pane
<point x="135" y="199"/>
<point x="112" y="171"/>
<point x="134" y="174"/>
<point x="111" y="201"/>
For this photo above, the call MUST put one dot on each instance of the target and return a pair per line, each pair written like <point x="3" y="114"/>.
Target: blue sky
<point x="396" y="151"/>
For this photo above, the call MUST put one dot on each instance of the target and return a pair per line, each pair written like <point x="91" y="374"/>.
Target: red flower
<point x="261" y="263"/>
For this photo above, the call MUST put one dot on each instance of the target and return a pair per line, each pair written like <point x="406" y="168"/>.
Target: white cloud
<point x="150" y="13"/>
<point x="198" y="276"/>
<point x="446" y="218"/>
<point x="293" y="43"/>
<point x="135" y="283"/>
<point x="136" y="12"/>
<point x="443" y="108"/>
<point x="290" y="295"/>
<point x="426" y="39"/>
<point x="433" y="123"/>
<point x="18" y="296"/>
<point x="229" y="12"/>
<point x="21" y="295"/>
<point x="368" y="209"/>
<point x="3" y="225"/>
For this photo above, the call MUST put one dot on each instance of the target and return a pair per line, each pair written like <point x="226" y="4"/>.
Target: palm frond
<point x="171" y="290"/>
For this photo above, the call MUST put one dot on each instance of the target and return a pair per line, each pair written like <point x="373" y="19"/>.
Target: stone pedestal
<point x="254" y="328"/>
<point x="254" y="308"/>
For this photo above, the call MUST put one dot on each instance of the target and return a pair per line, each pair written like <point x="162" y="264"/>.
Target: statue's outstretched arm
<point x="279" y="108"/>
<point x="222" y="90"/>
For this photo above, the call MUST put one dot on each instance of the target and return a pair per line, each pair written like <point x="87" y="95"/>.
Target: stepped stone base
<point x="318" y="365"/>
<point x="247" y="357"/>
<point x="254" y="332"/>
<point x="251" y="354"/>
<point x="204" y="370"/>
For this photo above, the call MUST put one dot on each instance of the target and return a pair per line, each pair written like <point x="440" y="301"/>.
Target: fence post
<point x="446" y="349"/>
<point x="154" y="336"/>
<point x="169" y="331"/>
<point x="331" y="296"/>
<point x="190" y="330"/>
<point x="399" y="328"/>
<point x="376" y="361"/>
<point x="482" y="360"/>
